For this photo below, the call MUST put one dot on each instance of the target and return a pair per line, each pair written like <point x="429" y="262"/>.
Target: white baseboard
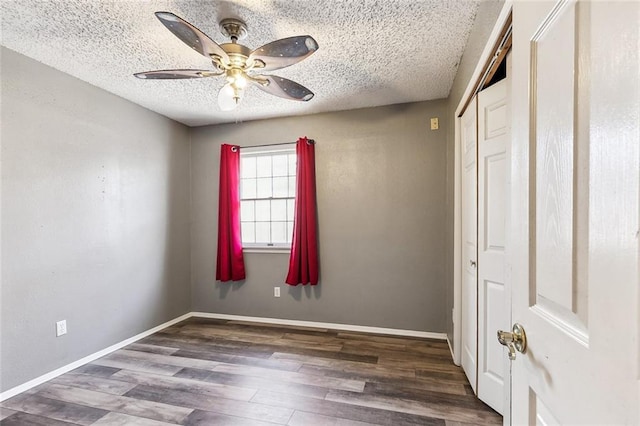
<point x="87" y="359"/>
<point x="453" y="357"/>
<point x="278" y="321"/>
<point x="330" y="325"/>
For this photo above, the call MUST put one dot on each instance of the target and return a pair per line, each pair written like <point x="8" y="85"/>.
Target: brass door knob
<point x="516" y="340"/>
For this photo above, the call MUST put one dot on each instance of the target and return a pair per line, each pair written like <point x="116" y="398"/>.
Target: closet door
<point x="469" y="303"/>
<point x="493" y="302"/>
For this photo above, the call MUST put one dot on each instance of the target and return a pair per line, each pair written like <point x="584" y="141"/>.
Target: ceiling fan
<point x="238" y="63"/>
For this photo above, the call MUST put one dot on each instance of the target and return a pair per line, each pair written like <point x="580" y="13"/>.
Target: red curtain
<point x="230" y="262"/>
<point x="303" y="263"/>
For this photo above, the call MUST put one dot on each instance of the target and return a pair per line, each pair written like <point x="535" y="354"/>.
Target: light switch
<point x="434" y="123"/>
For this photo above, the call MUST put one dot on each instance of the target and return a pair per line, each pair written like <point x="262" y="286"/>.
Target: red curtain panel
<point x="303" y="263"/>
<point x="230" y="262"/>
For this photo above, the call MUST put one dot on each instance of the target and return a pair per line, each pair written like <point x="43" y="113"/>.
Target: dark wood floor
<point x="215" y="372"/>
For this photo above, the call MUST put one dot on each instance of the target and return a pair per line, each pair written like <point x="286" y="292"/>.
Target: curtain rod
<point x="309" y="141"/>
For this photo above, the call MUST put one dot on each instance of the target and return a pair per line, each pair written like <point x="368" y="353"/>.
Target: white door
<point x="574" y="247"/>
<point x="493" y="304"/>
<point x="469" y="238"/>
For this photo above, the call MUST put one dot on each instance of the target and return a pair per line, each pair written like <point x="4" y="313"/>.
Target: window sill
<point x="283" y="250"/>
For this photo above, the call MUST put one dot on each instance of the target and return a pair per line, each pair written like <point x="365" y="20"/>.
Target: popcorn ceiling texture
<point x="371" y="52"/>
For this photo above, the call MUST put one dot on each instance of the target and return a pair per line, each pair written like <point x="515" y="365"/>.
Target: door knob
<point x="472" y="263"/>
<point x="516" y="340"/>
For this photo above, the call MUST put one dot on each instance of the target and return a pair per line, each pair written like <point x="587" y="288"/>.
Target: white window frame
<point x="257" y="152"/>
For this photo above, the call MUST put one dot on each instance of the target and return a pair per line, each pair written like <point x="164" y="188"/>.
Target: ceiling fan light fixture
<point x="237" y="78"/>
<point x="229" y="97"/>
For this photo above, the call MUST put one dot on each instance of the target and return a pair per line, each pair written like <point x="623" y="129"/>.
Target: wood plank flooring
<point x="217" y="372"/>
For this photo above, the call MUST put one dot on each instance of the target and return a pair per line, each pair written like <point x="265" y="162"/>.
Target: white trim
<point x="267" y="250"/>
<point x="329" y="325"/>
<point x="451" y="349"/>
<point x="266" y="150"/>
<point x="457" y="226"/>
<point x="487" y="53"/>
<point x="87" y="359"/>
<point x="456" y="312"/>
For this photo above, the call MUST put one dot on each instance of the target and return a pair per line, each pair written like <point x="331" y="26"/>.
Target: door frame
<point x="487" y="53"/>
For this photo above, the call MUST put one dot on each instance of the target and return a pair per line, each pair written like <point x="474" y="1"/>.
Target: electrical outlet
<point x="61" y="328"/>
<point x="434" y="123"/>
<point x="276" y="292"/>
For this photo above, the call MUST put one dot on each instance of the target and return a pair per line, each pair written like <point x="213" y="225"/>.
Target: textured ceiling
<point x="371" y="52"/>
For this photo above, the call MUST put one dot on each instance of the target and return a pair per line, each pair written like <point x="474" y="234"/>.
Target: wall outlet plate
<point x="276" y="292"/>
<point x="434" y="123"/>
<point x="61" y="328"/>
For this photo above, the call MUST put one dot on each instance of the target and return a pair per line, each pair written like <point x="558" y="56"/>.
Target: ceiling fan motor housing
<point x="238" y="53"/>
<point x="233" y="28"/>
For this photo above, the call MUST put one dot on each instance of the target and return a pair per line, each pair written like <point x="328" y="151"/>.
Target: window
<point x="267" y="197"/>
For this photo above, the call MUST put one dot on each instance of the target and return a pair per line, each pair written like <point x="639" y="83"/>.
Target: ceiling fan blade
<point x="284" y="52"/>
<point x="175" y="74"/>
<point x="191" y="36"/>
<point x="284" y="88"/>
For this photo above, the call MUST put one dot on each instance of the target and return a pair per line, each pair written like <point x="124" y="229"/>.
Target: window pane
<point x="292" y="164"/>
<point x="247" y="167"/>
<point x="267" y="191"/>
<point x="281" y="187"/>
<point x="280" y="165"/>
<point x="279" y="210"/>
<point x="262" y="232"/>
<point x="279" y="232"/>
<point x="291" y="204"/>
<point x="248" y="232"/>
<point x="263" y="210"/>
<point x="289" y="232"/>
<point x="264" y="188"/>
<point x="264" y="166"/>
<point x="292" y="186"/>
<point x="247" y="211"/>
<point x="247" y="188"/>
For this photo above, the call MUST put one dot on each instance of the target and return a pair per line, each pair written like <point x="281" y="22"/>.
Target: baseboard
<point x="278" y="321"/>
<point x="330" y="325"/>
<point x="55" y="373"/>
<point x="453" y="357"/>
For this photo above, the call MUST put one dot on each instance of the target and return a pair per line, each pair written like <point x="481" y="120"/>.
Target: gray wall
<point x="95" y="219"/>
<point x="381" y="204"/>
<point x="486" y="17"/>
